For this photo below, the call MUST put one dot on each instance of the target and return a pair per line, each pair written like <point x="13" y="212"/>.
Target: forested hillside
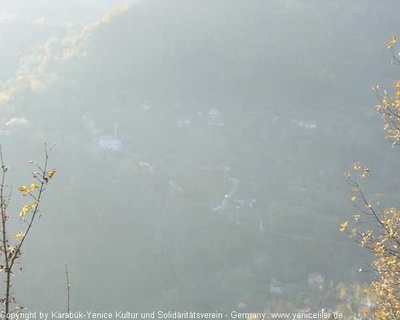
<point x="288" y="87"/>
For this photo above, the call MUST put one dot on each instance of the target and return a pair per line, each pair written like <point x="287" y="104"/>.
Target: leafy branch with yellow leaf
<point x="10" y="248"/>
<point x="379" y="230"/>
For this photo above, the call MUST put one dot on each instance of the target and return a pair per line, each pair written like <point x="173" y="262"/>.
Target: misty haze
<point x="199" y="153"/>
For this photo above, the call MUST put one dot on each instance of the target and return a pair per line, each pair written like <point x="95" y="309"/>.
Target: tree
<point x="10" y="247"/>
<point x="379" y="230"/>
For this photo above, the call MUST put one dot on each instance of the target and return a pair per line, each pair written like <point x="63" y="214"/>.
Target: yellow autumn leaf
<point x="22" y="188"/>
<point x="25" y="210"/>
<point x="346" y="174"/>
<point x="392" y="42"/>
<point x="344" y="226"/>
<point x="34" y="186"/>
<point x="353" y="198"/>
<point x="365" y="172"/>
<point x="353" y="233"/>
<point x="18" y="235"/>
<point x="356" y="166"/>
<point x="51" y="173"/>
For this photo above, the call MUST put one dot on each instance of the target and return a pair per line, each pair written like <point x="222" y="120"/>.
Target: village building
<point x="315" y="280"/>
<point x="183" y="121"/>
<point x="276" y="287"/>
<point x="214" y="118"/>
<point x="5" y="130"/>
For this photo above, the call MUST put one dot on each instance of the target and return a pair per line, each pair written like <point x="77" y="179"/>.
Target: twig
<point x="68" y="286"/>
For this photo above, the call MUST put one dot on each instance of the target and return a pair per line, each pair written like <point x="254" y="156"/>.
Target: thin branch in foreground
<point x="68" y="287"/>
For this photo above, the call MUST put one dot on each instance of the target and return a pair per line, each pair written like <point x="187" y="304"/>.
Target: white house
<point x="183" y="121"/>
<point x="112" y="144"/>
<point x="276" y="287"/>
<point x="304" y="124"/>
<point x="315" y="280"/>
<point x="244" y="203"/>
<point x="146" y="105"/>
<point x="214" y="118"/>
<point x="5" y="130"/>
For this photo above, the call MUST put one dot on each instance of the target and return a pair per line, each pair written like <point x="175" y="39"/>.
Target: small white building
<point x="111" y="144"/>
<point x="315" y="280"/>
<point x="5" y="130"/>
<point x="146" y="105"/>
<point x="276" y="287"/>
<point x="214" y="118"/>
<point x="306" y="125"/>
<point x="239" y="203"/>
<point x="183" y="121"/>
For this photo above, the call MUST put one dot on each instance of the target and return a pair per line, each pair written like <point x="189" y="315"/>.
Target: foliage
<point x="379" y="230"/>
<point x="389" y="105"/>
<point x="10" y="248"/>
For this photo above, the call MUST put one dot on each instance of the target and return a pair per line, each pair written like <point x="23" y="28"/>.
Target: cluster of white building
<point x="315" y="280"/>
<point x="113" y="143"/>
<point x="213" y="119"/>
